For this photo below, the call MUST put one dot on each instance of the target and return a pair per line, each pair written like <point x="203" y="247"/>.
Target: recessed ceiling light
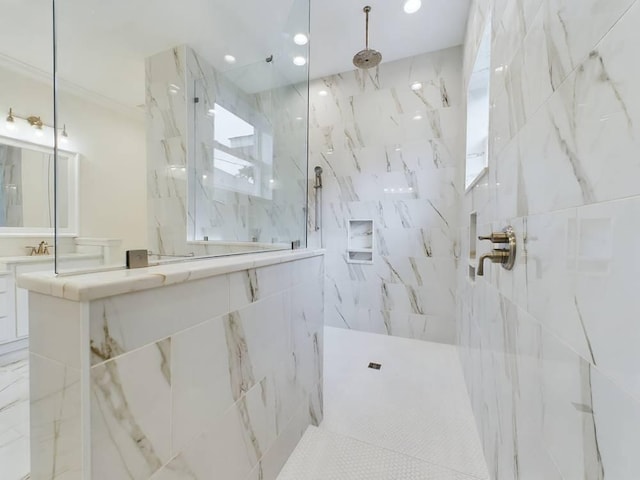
<point x="412" y="6"/>
<point x="418" y="117"/>
<point x="272" y="180"/>
<point x="415" y="86"/>
<point x="299" y="119"/>
<point x="173" y="89"/>
<point x="323" y="93"/>
<point x="299" y="61"/>
<point x="230" y="59"/>
<point x="300" y="39"/>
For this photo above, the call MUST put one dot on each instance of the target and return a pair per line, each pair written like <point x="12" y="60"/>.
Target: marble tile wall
<point x="183" y="210"/>
<point x="220" y="381"/>
<point x="550" y="349"/>
<point x="391" y="154"/>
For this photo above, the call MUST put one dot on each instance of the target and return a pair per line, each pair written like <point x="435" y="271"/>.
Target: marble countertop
<point x="46" y="258"/>
<point x="92" y="286"/>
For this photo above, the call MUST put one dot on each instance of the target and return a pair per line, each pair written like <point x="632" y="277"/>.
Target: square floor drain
<point x="375" y="366"/>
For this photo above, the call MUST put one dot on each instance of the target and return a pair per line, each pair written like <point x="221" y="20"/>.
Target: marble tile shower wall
<point x="220" y="381"/>
<point x="173" y="136"/>
<point x="391" y="154"/>
<point x="550" y="351"/>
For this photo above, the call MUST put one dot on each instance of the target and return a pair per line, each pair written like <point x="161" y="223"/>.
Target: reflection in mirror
<point x="27" y="190"/>
<point x="478" y="112"/>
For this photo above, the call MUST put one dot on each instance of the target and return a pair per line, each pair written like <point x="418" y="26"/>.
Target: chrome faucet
<point x="41" y="249"/>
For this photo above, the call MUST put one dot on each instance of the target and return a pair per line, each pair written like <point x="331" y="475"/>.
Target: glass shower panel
<point x="249" y="154"/>
<point x="189" y="143"/>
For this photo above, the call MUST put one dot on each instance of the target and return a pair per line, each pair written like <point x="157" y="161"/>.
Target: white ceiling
<point x="337" y="28"/>
<point x="102" y="44"/>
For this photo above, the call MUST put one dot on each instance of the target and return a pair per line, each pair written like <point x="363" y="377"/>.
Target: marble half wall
<point x="392" y="154"/>
<point x="210" y="378"/>
<point x="550" y="349"/>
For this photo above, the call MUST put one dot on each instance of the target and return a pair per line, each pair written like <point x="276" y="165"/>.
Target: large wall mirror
<point x="28" y="189"/>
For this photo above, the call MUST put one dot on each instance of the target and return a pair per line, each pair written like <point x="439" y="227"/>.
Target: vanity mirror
<point x="28" y="190"/>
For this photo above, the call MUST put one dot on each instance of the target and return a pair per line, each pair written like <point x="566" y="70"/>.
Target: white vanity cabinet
<point x="7" y="325"/>
<point x="14" y="301"/>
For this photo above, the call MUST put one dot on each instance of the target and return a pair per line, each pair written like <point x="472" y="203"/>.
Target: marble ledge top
<point x="93" y="286"/>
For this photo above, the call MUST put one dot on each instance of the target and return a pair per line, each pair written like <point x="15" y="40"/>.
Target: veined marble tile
<point x="14" y="396"/>
<point x="605" y="264"/>
<point x="392" y="212"/>
<point x="420" y="155"/>
<point x="252" y="285"/>
<point x="389" y="130"/>
<point x="14" y="455"/>
<point x="573" y="28"/>
<point x="56" y="430"/>
<point x="257" y="339"/>
<point x="131" y="413"/>
<point x="201" y="380"/>
<point x="590" y="117"/>
<point x="117" y="327"/>
<point x="425" y="68"/>
<point x="551" y="244"/>
<point x="44" y="334"/>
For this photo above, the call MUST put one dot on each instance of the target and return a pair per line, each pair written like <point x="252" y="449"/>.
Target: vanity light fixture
<point x="36" y="123"/>
<point x="412" y="6"/>
<point x="64" y="136"/>
<point x="300" y="39"/>
<point x="10" y="122"/>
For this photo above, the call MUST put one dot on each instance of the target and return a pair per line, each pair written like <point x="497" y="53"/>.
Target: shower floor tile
<point x="416" y="407"/>
<point x="324" y="455"/>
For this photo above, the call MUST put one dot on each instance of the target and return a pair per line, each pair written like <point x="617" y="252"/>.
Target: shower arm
<point x="366" y="41"/>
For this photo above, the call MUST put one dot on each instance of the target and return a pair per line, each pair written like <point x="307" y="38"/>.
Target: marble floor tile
<point x="14" y="417"/>
<point x="410" y="419"/>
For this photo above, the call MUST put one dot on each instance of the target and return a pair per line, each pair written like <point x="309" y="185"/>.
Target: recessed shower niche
<point x="361" y="242"/>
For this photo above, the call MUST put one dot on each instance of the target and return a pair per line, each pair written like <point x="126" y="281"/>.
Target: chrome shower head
<point x="367" y="58"/>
